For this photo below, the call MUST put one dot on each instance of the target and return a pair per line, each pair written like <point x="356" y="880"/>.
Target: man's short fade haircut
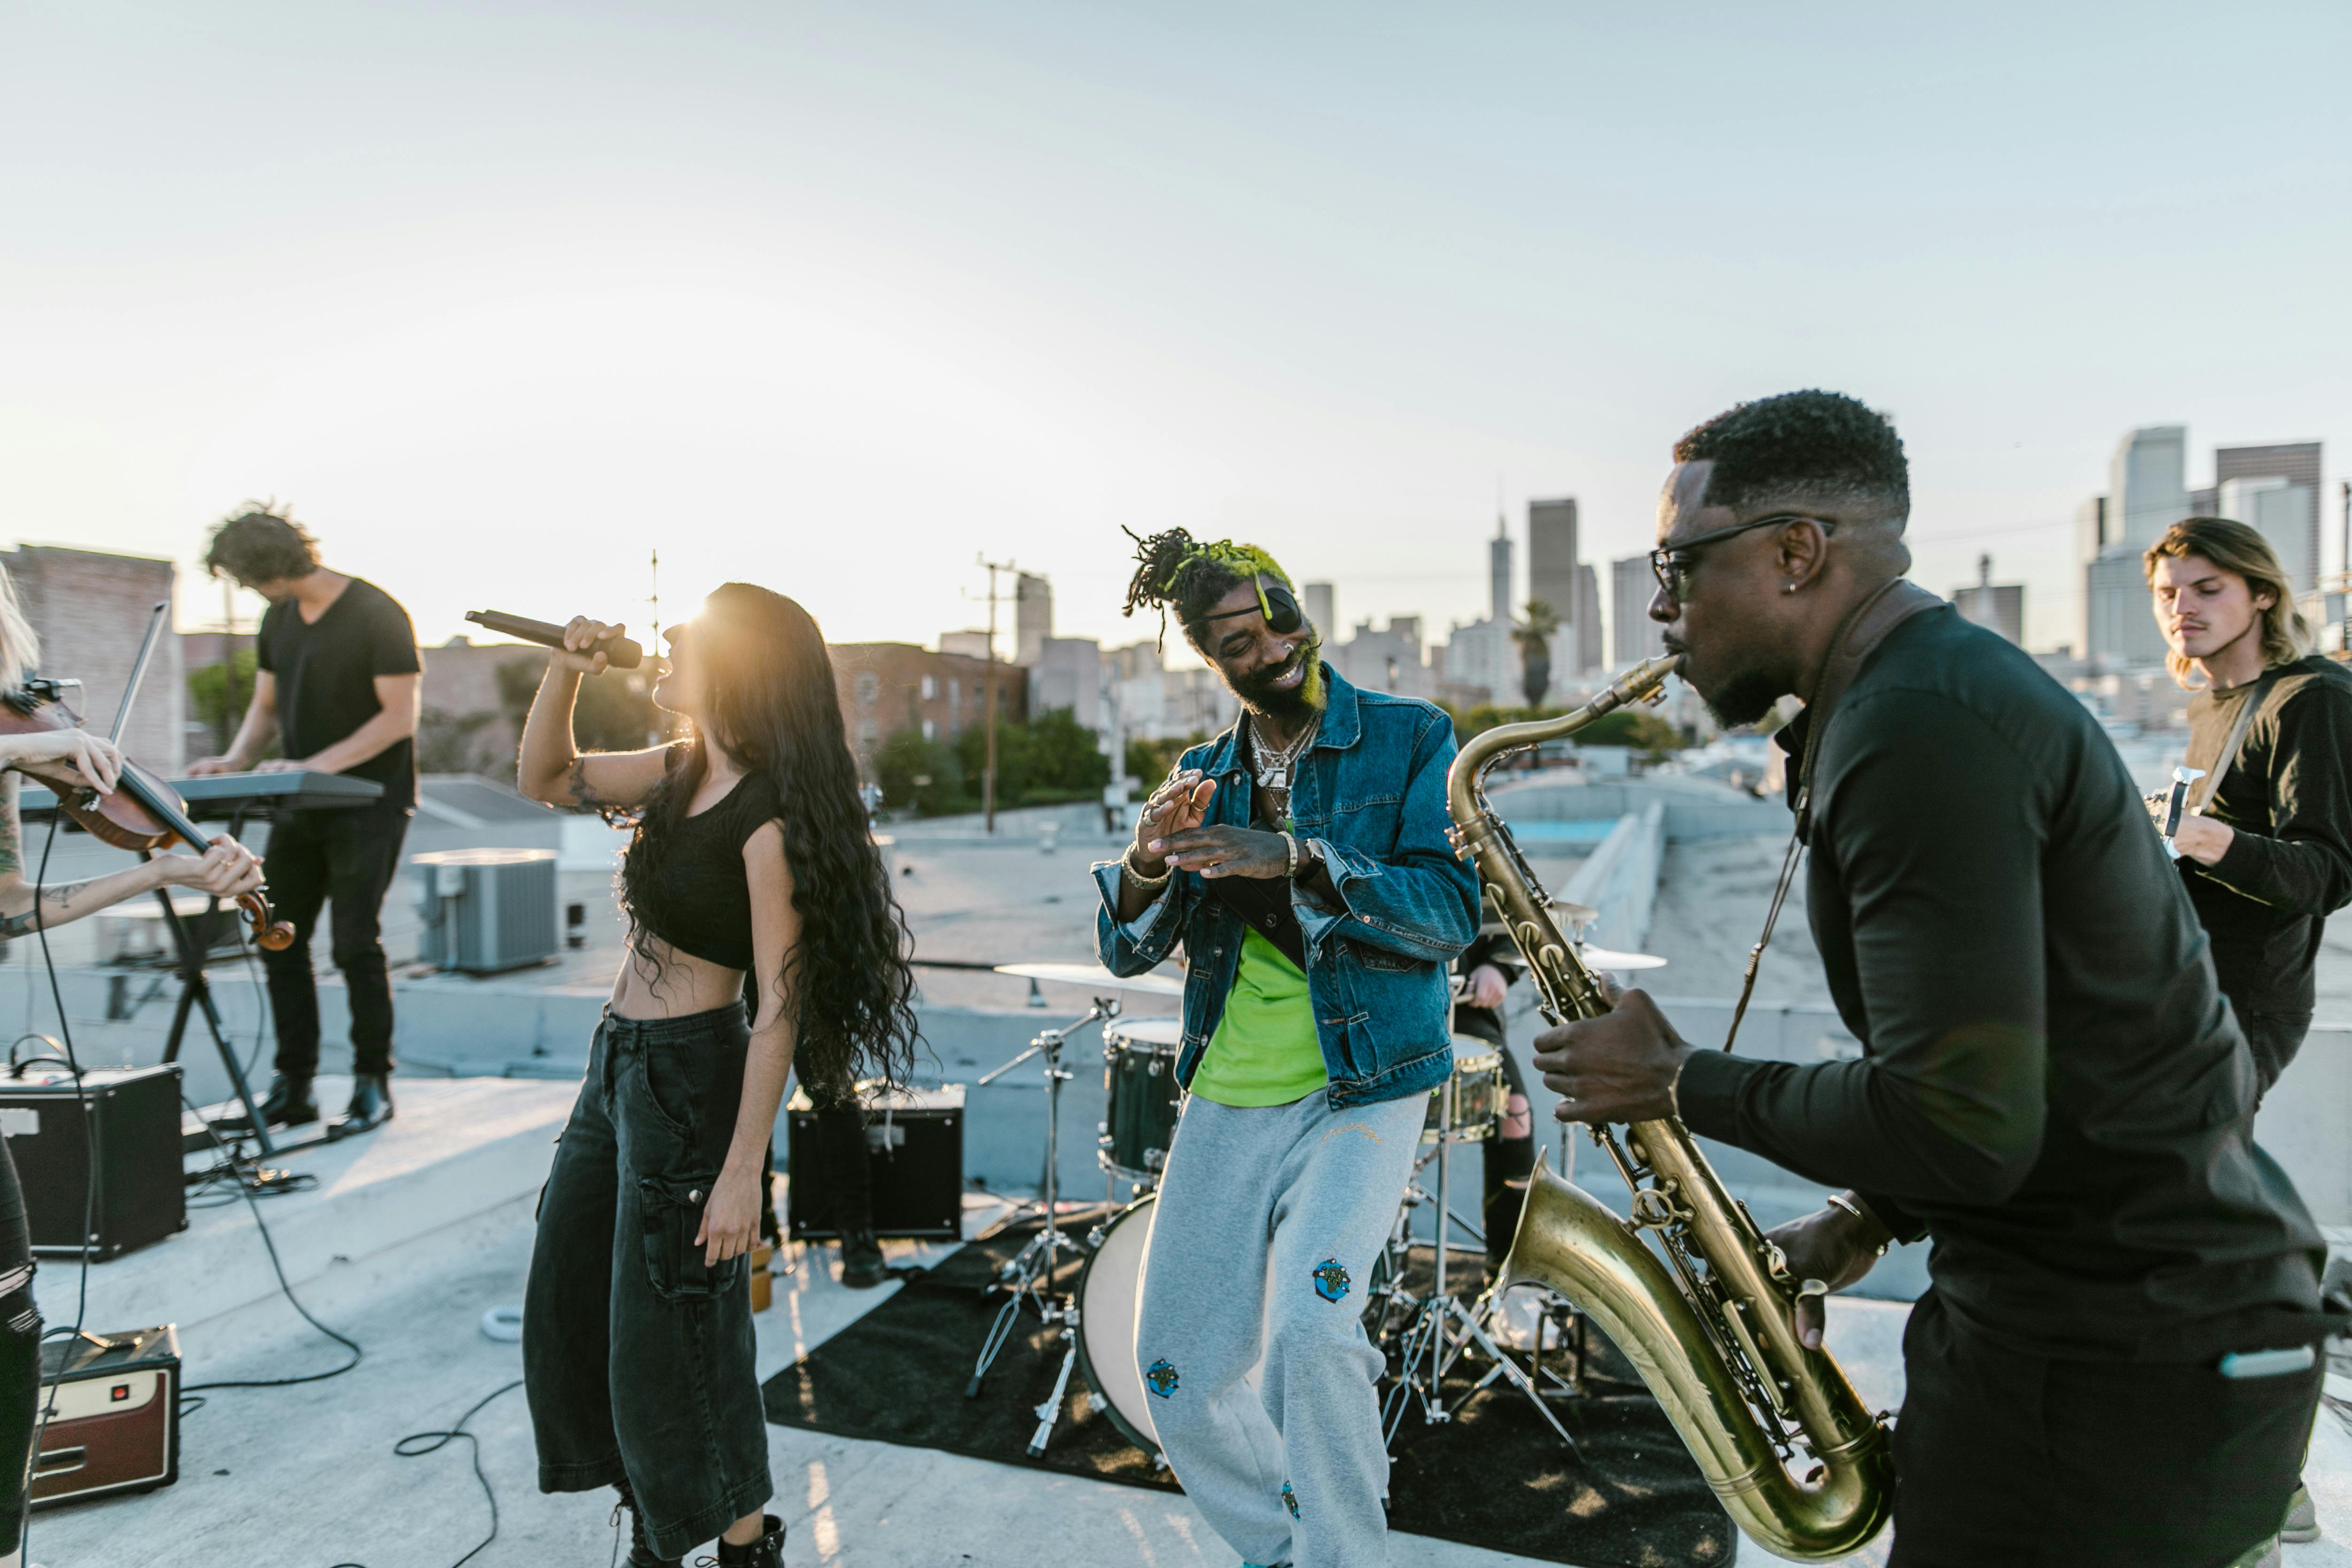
<point x="1801" y="442"/>
<point x="261" y="542"/>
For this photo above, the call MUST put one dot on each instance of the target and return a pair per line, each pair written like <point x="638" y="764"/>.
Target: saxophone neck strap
<point x="1856" y="638"/>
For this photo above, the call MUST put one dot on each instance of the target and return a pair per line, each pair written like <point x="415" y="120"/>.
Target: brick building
<point x="91" y="610"/>
<point x="886" y="687"/>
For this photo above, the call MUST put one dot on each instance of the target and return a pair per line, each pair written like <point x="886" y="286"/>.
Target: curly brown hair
<point x="261" y="542"/>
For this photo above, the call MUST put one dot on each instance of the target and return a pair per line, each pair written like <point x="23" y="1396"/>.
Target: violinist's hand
<point x="88" y="758"/>
<point x="224" y="871"/>
<point x="580" y="635"/>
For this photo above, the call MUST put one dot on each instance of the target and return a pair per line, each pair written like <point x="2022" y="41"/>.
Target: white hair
<point x="20" y="645"/>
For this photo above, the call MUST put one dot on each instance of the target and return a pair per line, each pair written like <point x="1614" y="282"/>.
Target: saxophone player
<point x="2115" y="1361"/>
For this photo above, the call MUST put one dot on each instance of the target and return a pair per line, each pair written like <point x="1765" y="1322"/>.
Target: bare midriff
<point x="657" y="981"/>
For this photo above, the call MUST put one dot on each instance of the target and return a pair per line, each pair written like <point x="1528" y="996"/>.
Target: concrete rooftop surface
<point x="412" y="1232"/>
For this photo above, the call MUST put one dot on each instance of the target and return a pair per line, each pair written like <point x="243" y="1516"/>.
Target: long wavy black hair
<point x="769" y="702"/>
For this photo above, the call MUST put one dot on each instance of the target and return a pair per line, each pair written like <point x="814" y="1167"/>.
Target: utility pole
<point x="988" y="768"/>
<point x="2347" y="568"/>
<point x="232" y="716"/>
<point x="654" y="736"/>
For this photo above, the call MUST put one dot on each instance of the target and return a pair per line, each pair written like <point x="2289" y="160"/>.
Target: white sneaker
<point x="2302" y="1523"/>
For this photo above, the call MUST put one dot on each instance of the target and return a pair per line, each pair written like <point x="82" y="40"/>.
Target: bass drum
<point x="1109" y="1296"/>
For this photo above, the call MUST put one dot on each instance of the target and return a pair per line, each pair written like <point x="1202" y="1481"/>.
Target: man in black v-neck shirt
<point x="2116" y="1362"/>
<point x="336" y="686"/>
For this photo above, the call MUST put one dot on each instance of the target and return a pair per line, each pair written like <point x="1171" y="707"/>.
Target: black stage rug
<point x="1496" y="1476"/>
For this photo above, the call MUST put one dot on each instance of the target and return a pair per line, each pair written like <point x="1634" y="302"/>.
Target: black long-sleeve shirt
<point x="2289" y="797"/>
<point x="2050" y="1085"/>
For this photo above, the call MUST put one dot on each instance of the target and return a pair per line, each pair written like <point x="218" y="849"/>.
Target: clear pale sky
<point x="834" y="298"/>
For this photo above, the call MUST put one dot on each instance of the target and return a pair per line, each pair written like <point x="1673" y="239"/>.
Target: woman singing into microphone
<point x="763" y="931"/>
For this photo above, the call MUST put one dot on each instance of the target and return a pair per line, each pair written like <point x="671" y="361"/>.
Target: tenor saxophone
<point x="1707" y="1317"/>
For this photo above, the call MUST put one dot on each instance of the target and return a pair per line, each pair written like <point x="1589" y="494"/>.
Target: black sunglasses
<point x="1281" y="606"/>
<point x="1673" y="567"/>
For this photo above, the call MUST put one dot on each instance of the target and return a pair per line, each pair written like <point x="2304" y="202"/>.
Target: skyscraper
<point x="1551" y="555"/>
<point x="1552" y="560"/>
<point x="1033" y="617"/>
<point x="1635" y="636"/>
<point x="1322" y="610"/>
<point x="1498" y="568"/>
<point x="2147" y="486"/>
<point x="2290" y="505"/>
<point x="1589" y="650"/>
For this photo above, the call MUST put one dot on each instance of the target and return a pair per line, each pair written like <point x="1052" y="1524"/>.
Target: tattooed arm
<point x="226" y="869"/>
<point x="551" y="768"/>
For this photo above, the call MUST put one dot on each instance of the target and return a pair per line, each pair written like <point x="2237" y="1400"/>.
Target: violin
<point x="142" y="814"/>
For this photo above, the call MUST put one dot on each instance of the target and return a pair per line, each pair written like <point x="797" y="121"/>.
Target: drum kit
<point x="1424" y="1337"/>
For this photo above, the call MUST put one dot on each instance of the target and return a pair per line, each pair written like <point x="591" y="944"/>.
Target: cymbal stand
<point x="1028" y="1277"/>
<point x="1438" y="1332"/>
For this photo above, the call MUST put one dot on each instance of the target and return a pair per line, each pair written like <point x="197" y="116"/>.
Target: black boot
<point x="861" y="1259"/>
<point x="768" y="1551"/>
<point x="641" y="1552"/>
<point x="371" y="1105"/>
<point x="288" y="1104"/>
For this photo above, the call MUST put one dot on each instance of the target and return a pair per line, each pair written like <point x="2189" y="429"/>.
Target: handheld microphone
<point x="620" y="653"/>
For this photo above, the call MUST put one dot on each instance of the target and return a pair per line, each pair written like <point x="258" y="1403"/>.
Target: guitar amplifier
<point x="914" y="1142"/>
<point x="123" y="1128"/>
<point x="113" y="1407"/>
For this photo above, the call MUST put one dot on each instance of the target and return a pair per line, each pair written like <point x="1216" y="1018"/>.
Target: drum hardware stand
<point x="1440" y="1330"/>
<point x="1029" y="1276"/>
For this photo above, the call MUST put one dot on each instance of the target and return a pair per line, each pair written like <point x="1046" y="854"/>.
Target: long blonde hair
<point x="2236" y="548"/>
<point x="20" y="645"/>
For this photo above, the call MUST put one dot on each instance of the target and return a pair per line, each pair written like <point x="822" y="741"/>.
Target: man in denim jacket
<point x="1302" y="860"/>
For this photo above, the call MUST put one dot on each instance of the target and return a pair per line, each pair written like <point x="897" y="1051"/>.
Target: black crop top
<point x="699" y="900"/>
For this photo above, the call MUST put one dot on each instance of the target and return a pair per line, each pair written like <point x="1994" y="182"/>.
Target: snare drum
<point x="1140" y="1079"/>
<point x="1474" y="1095"/>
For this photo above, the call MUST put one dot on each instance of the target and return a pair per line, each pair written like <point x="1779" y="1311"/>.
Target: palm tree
<point x="1534" y="637"/>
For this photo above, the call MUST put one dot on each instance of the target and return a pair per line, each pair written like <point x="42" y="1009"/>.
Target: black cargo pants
<point x="638" y="1358"/>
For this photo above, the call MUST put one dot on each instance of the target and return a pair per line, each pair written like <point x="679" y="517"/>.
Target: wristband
<point x="1141" y="883"/>
<point x="1839" y="1201"/>
<point x="1290" y="848"/>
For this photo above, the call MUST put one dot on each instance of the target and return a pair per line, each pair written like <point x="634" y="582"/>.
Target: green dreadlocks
<point x="1176" y="571"/>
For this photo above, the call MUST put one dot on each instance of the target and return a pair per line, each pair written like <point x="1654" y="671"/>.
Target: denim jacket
<point x="1370" y="793"/>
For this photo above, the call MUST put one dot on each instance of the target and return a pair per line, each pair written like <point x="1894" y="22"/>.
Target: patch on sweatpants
<point x="1290" y="1499"/>
<point x="1330" y="1280"/>
<point x="1162" y="1378"/>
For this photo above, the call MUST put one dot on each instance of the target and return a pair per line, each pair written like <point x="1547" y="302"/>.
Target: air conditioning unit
<point x="487" y="910"/>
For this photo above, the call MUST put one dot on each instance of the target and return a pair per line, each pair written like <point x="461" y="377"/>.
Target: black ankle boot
<point x="768" y="1551"/>
<point x="288" y="1104"/>
<point x="641" y="1552"/>
<point x="861" y="1261"/>
<point x="371" y="1105"/>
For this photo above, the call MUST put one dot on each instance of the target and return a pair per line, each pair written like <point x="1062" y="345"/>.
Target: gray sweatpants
<point x="1268" y="1224"/>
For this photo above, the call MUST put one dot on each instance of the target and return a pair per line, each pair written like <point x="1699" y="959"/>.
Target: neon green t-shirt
<point x="1265" y="1051"/>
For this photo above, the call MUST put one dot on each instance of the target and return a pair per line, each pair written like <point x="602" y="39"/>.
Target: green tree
<point x="1066" y="760"/>
<point x="1534" y="637"/>
<point x="445" y="741"/>
<point x="219" y="693"/>
<point x="920" y="774"/>
<point x="615" y="711"/>
<point x="1635" y="727"/>
<point x="1152" y="761"/>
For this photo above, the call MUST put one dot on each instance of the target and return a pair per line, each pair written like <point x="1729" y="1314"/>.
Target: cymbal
<point x="1096" y="976"/>
<point x="1603" y="958"/>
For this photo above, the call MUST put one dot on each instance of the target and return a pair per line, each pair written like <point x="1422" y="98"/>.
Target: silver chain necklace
<point x="1273" y="770"/>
